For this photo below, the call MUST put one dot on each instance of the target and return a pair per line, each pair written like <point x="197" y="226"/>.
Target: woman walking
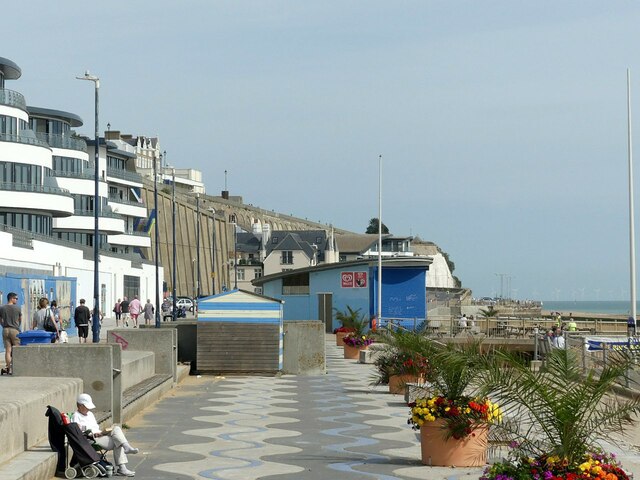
<point x="117" y="309"/>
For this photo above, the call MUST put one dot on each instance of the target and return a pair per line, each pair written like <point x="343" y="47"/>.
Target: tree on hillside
<point x="373" y="226"/>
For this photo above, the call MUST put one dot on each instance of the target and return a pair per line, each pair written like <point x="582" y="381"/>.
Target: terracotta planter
<point x="397" y="383"/>
<point x="470" y="451"/>
<point x="352" y="353"/>
<point x="340" y="337"/>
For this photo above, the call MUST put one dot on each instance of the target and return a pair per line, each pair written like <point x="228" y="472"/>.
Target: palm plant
<point x="352" y="320"/>
<point x="397" y="348"/>
<point x="561" y="411"/>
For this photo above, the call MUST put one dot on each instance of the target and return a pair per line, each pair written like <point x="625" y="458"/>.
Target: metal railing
<point x="27" y="187"/>
<point x="12" y="99"/>
<point x="27" y="140"/>
<point x="124" y="175"/>
<point x="85" y="175"/>
<point x="102" y="213"/>
<point x="63" y="141"/>
<point x="125" y="201"/>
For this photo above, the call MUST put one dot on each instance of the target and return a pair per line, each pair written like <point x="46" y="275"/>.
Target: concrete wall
<point x="23" y="403"/>
<point x="91" y="363"/>
<point x="162" y="342"/>
<point x="304" y="347"/>
<point x="187" y="338"/>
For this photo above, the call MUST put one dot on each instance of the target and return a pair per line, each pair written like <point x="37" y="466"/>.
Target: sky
<point x="502" y="124"/>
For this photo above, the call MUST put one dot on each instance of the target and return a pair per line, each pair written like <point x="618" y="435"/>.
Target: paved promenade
<point x="334" y="426"/>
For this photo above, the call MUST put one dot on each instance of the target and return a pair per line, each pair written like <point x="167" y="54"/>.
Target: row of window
<point x="85" y="239"/>
<point x="69" y="164"/>
<point x="33" y="223"/>
<point x="85" y="202"/>
<point x="115" y="163"/>
<point x="47" y="125"/>
<point x="11" y="172"/>
<point x="257" y="273"/>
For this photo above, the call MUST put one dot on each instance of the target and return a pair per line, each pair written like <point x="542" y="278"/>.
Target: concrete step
<point x="137" y="366"/>
<point x="35" y="464"/>
<point x="23" y="403"/>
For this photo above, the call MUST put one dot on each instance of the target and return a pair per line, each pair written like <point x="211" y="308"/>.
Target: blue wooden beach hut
<point x="239" y="331"/>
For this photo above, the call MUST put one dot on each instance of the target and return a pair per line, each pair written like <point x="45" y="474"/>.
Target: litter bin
<point x="36" y="336"/>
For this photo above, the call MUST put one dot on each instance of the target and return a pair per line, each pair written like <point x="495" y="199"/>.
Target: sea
<point x="611" y="307"/>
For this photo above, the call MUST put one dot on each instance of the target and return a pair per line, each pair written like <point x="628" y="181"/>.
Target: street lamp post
<point x="197" y="251"/>
<point x="155" y="206"/>
<point x="213" y="252"/>
<point x="235" y="252"/>
<point x="379" y="312"/>
<point x="173" y="280"/>
<point x="95" y="326"/>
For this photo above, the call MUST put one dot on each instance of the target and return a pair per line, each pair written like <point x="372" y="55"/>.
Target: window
<point x="257" y="273"/>
<point x="258" y="290"/>
<point x="241" y="274"/>
<point x="296" y="284"/>
<point x="131" y="286"/>
<point x="274" y="240"/>
<point x="287" y="257"/>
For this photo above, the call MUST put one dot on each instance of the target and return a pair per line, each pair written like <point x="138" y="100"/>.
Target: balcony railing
<point x="124" y="175"/>
<point x="26" y="187"/>
<point x="86" y="175"/>
<point x="11" y="137"/>
<point x="63" y="141"/>
<point x="12" y="99"/>
<point x="103" y="213"/>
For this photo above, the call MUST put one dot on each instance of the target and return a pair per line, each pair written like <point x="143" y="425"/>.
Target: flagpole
<point x="632" y="239"/>
<point x="379" y="312"/>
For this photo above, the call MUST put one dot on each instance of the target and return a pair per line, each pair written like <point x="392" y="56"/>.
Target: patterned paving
<point x="334" y="426"/>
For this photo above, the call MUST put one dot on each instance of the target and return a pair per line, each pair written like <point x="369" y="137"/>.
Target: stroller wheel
<point x="90" y="471"/>
<point x="70" y="473"/>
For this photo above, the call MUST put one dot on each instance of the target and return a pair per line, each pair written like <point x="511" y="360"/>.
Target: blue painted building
<point x="316" y="292"/>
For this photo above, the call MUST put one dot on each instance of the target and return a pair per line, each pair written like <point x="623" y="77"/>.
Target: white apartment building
<point x="47" y="204"/>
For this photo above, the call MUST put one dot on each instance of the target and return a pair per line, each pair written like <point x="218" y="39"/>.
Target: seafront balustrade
<point x="12" y="98"/>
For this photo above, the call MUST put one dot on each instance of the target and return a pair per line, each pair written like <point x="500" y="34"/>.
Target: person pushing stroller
<point x="109" y="440"/>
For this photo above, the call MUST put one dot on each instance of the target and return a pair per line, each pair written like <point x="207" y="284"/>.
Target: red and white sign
<point x="360" y="279"/>
<point x="347" y="279"/>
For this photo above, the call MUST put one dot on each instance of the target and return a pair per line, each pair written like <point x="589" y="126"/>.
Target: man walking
<point x="81" y="317"/>
<point x="124" y="308"/>
<point x="11" y="320"/>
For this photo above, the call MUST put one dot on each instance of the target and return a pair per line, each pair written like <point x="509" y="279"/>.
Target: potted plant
<point x="353" y="343"/>
<point x="401" y="360"/>
<point x="453" y="419"/>
<point x="349" y="320"/>
<point x="563" y="412"/>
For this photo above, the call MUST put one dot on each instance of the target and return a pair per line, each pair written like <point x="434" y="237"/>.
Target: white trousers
<point x="114" y="441"/>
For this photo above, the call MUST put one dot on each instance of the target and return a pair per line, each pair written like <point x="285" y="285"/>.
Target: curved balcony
<point x="11" y="137"/>
<point x="12" y="99"/>
<point x="133" y="239"/>
<point x="63" y="141"/>
<point x="127" y="207"/>
<point x="83" y="221"/>
<point x="37" y="198"/>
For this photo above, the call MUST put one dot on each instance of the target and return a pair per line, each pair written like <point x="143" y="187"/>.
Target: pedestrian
<point x="148" y="312"/>
<point x="11" y="320"/>
<point x="56" y="314"/>
<point x="124" y="307"/>
<point x="135" y="307"/>
<point x="572" y="326"/>
<point x="117" y="309"/>
<point x="631" y="326"/>
<point x="81" y="318"/>
<point x="43" y="319"/>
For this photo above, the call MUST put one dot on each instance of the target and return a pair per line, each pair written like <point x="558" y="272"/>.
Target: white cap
<point x="85" y="399"/>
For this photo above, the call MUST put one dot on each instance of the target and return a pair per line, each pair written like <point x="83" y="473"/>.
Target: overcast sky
<point x="502" y="124"/>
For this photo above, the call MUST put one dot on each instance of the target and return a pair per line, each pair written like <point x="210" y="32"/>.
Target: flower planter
<point x="352" y="353"/>
<point x="397" y="383"/>
<point x="470" y="451"/>
<point x="339" y="337"/>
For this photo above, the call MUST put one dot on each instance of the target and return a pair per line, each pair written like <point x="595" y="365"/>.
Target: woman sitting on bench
<point x="109" y="440"/>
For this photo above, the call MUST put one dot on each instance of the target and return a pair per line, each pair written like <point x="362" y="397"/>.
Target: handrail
<point x="124" y="201"/>
<point x="84" y="175"/>
<point x="124" y="175"/>
<point x="102" y="213"/>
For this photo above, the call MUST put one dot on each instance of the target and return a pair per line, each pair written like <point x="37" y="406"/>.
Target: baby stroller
<point x="86" y="461"/>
